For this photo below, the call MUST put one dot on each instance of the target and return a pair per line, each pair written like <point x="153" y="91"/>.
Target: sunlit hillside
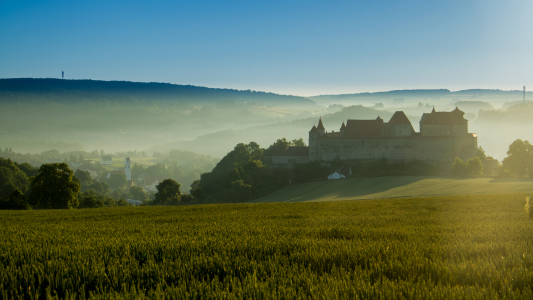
<point x="395" y="187"/>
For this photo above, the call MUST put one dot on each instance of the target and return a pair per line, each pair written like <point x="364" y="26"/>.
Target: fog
<point x="32" y="121"/>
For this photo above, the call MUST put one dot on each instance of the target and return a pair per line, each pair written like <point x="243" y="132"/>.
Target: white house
<point x="106" y="160"/>
<point x="150" y="184"/>
<point x="336" y="175"/>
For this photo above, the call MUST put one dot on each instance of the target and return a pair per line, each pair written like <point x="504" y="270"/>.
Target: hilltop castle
<point x="442" y="137"/>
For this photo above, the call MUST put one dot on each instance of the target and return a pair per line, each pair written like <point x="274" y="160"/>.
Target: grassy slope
<point x="395" y="187"/>
<point x="461" y="247"/>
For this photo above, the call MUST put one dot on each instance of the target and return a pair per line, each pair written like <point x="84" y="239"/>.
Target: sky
<point x="289" y="47"/>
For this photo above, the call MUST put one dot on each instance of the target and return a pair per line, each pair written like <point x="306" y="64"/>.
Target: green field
<point x="462" y="247"/>
<point x="395" y="187"/>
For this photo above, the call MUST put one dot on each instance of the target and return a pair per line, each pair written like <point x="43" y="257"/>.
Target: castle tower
<point x="320" y="126"/>
<point x="313" y="143"/>
<point x="343" y="129"/>
<point x="127" y="169"/>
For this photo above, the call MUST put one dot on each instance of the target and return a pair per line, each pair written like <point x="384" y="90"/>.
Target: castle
<point x="442" y="137"/>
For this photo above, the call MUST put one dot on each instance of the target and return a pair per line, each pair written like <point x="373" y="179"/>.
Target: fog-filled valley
<point x="67" y="115"/>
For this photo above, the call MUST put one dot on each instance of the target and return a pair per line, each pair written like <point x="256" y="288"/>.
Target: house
<point x="88" y="168"/>
<point x="106" y="160"/>
<point x="115" y="172"/>
<point x="336" y="175"/>
<point x="150" y="183"/>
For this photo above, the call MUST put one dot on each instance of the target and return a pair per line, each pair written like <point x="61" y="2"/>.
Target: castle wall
<point x="444" y="130"/>
<point x="285" y="161"/>
<point x="436" y="150"/>
<point x="400" y="130"/>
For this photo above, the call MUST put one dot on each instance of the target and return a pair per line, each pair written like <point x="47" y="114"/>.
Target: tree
<point x="84" y="177"/>
<point x="91" y="201"/>
<point x="280" y="143"/>
<point x="11" y="178"/>
<point x="471" y="168"/>
<point x="519" y="160"/>
<point x="475" y="167"/>
<point x="122" y="202"/>
<point x="117" y="181"/>
<point x="459" y="168"/>
<point x="243" y="191"/>
<point x="198" y="194"/>
<point x="54" y="187"/>
<point x="17" y="201"/>
<point x="81" y="159"/>
<point x="168" y="193"/>
<point x="138" y="193"/>
<point x="298" y="142"/>
<point x="481" y="154"/>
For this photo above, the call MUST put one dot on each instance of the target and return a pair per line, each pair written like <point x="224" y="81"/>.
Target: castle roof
<point x="314" y="130"/>
<point x="343" y="127"/>
<point x="444" y="118"/>
<point x="287" y="151"/>
<point x="356" y="128"/>
<point x="457" y="111"/>
<point x="320" y="125"/>
<point x="424" y="117"/>
<point x="399" y="117"/>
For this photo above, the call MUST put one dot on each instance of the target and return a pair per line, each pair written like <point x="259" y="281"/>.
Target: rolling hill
<point x="20" y="89"/>
<point x="395" y="187"/>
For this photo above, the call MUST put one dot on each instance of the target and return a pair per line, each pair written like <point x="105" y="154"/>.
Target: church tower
<point x="127" y="169"/>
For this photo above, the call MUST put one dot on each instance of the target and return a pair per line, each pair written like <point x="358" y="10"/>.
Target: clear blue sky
<point x="290" y="47"/>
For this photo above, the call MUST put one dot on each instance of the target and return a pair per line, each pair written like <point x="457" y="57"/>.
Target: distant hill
<point x="21" y="89"/>
<point x="432" y="93"/>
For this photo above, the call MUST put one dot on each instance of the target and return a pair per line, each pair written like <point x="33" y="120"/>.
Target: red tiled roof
<point x="355" y="128"/>
<point x="287" y="151"/>
<point x="399" y="118"/>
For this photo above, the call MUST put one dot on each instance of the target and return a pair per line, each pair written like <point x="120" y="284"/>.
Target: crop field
<point x="396" y="187"/>
<point x="460" y="247"/>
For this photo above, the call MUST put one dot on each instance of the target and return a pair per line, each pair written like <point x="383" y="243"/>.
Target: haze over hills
<point x="438" y="97"/>
<point x="43" y="114"/>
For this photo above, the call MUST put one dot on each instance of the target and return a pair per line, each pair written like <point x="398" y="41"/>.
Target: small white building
<point x="106" y="160"/>
<point x="150" y="184"/>
<point x="336" y="175"/>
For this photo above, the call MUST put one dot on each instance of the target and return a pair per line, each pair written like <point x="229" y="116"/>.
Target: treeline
<point x="23" y="186"/>
<point x="76" y="90"/>
<point x="56" y="186"/>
